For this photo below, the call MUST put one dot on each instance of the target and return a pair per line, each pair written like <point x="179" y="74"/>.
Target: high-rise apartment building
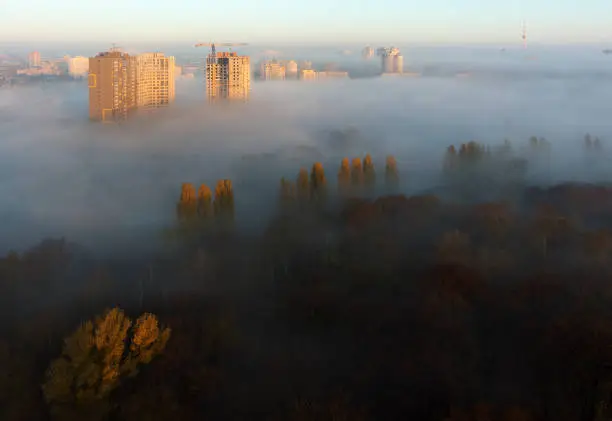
<point x="154" y="80"/>
<point x="34" y="59"/>
<point x="228" y="76"/>
<point x="112" y="86"/>
<point x="272" y="70"/>
<point x="120" y="83"/>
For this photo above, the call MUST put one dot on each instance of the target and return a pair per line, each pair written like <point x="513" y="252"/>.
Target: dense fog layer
<point x="102" y="185"/>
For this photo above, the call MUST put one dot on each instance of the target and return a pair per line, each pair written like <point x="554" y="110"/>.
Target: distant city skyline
<point x="317" y="22"/>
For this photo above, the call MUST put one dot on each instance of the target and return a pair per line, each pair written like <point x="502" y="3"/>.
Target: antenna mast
<point x="524" y="36"/>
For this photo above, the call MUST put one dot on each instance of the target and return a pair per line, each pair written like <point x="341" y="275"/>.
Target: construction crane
<point x="213" y="45"/>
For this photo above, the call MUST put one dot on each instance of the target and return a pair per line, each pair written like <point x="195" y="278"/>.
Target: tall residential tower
<point x="228" y="76"/>
<point x="154" y="80"/>
<point x="120" y="83"/>
<point x="112" y="86"/>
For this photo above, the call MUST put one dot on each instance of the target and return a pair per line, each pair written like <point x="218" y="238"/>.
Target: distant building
<point x="291" y="69"/>
<point x="178" y="71"/>
<point x="228" y="76"/>
<point x="272" y="70"/>
<point x="34" y="59"/>
<point x="8" y="70"/>
<point x="78" y="67"/>
<point x="45" y="68"/>
<point x="308" y="74"/>
<point x="112" y="86"/>
<point x="332" y="75"/>
<point x="154" y="80"/>
<point x="120" y="83"/>
<point x="392" y="60"/>
<point x="367" y="52"/>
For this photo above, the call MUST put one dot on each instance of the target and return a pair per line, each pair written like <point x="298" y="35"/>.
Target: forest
<point x="358" y="302"/>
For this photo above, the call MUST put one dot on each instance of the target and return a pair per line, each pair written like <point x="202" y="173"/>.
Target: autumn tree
<point x="303" y="185"/>
<point x="344" y="176"/>
<point x="94" y="359"/>
<point x="187" y="205"/>
<point x="224" y="199"/>
<point x="391" y="173"/>
<point x="356" y="172"/>
<point x="368" y="171"/>
<point x="549" y="225"/>
<point x="205" y="208"/>
<point x="318" y="183"/>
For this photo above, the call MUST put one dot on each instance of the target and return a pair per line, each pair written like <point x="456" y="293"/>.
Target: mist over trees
<point x="355" y="302"/>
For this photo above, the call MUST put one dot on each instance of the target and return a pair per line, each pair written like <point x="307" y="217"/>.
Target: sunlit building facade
<point x="272" y="70"/>
<point x="228" y="77"/>
<point x="120" y="83"/>
<point x="112" y="86"/>
<point x="308" y="74"/>
<point x="34" y="59"/>
<point x="154" y="80"/>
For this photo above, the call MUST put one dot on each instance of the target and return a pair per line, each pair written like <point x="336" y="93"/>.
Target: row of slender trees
<point x="352" y="177"/>
<point x="202" y="205"/>
<point x="307" y="187"/>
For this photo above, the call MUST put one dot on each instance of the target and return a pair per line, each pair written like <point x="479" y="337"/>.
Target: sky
<point x="316" y="21"/>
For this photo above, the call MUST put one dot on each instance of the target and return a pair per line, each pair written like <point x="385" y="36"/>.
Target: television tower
<point x="524" y="35"/>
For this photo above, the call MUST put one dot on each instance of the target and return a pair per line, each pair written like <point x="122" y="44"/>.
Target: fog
<point x="104" y="185"/>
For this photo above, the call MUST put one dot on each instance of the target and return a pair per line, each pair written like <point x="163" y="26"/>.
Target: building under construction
<point x="228" y="76"/>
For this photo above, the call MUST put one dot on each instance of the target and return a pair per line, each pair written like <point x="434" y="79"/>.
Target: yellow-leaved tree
<point x="205" y="209"/>
<point x="187" y="206"/>
<point x="302" y="184"/>
<point x="391" y="173"/>
<point x="357" y="172"/>
<point x="318" y="183"/>
<point x="344" y="176"/>
<point x="369" y="174"/>
<point x="95" y="357"/>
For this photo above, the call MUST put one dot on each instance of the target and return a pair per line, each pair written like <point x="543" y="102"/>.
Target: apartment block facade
<point x="154" y="80"/>
<point x="112" y="86"/>
<point x="120" y="83"/>
<point x="228" y="76"/>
